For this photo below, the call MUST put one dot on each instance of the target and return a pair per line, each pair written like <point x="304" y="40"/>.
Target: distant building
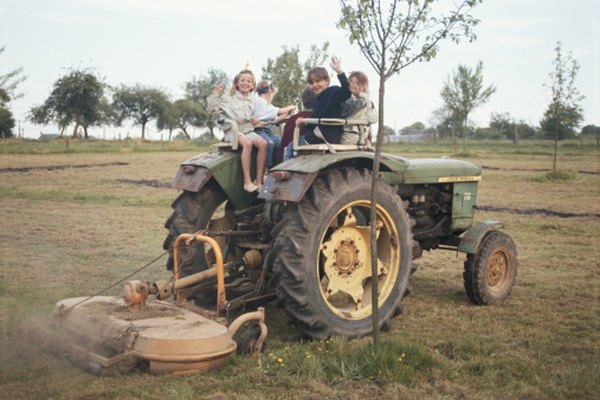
<point x="48" y="136"/>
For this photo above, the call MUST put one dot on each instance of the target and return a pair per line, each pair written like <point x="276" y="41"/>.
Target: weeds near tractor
<point x="556" y="176"/>
<point x="337" y="360"/>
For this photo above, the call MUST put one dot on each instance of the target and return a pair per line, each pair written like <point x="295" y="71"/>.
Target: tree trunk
<point x="373" y="214"/>
<point x="77" y="123"/>
<point x="85" y="132"/>
<point x="555" y="144"/>
<point x="453" y="136"/>
<point x="464" y="129"/>
<point x="170" y="133"/>
<point x="143" y="131"/>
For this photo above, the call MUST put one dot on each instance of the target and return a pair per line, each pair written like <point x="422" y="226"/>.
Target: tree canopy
<point x="78" y="98"/>
<point x="138" y="103"/>
<point x="464" y="91"/>
<point x="197" y="91"/>
<point x="9" y="83"/>
<point x="288" y="73"/>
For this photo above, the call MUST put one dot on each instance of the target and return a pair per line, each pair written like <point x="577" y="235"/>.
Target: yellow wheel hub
<point x="346" y="284"/>
<point x="497" y="271"/>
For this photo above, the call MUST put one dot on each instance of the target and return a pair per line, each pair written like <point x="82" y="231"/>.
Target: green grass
<point x="72" y="232"/>
<point x="336" y="361"/>
<point x="557" y="175"/>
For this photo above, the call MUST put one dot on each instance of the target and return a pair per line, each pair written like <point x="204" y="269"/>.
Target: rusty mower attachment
<point x="107" y="334"/>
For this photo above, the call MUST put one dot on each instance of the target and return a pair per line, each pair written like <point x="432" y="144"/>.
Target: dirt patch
<point x="538" y="211"/>
<point x="534" y="170"/>
<point x="146" y="182"/>
<point x="59" y="167"/>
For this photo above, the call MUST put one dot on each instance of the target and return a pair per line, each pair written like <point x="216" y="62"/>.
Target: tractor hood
<point x="437" y="170"/>
<point x="297" y="174"/>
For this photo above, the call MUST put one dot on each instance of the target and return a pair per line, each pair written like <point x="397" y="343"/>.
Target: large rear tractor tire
<point x="193" y="212"/>
<point x="490" y="274"/>
<point x="323" y="258"/>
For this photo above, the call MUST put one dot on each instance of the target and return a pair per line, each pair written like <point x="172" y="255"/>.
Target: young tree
<point x="392" y="35"/>
<point x="564" y="113"/>
<point x="77" y="97"/>
<point x="288" y="74"/>
<point x="197" y="91"/>
<point x="139" y="103"/>
<point x="464" y="92"/>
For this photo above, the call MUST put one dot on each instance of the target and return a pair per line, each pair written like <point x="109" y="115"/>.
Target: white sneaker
<point x="250" y="187"/>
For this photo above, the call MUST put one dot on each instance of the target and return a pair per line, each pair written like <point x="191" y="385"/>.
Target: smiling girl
<point x="234" y="113"/>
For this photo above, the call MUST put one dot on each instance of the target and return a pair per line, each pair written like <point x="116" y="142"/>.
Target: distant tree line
<point x="81" y="99"/>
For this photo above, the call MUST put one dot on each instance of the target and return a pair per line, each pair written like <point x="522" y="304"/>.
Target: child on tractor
<point x="329" y="103"/>
<point x="267" y="114"/>
<point x="234" y="110"/>
<point x="358" y="107"/>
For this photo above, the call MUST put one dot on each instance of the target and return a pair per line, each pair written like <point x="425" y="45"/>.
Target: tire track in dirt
<point x="146" y="182"/>
<point x="59" y="167"/>
<point x="538" y="211"/>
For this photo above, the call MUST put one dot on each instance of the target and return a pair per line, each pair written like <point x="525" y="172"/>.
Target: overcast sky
<point x="164" y="43"/>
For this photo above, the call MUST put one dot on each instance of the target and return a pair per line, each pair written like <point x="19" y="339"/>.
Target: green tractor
<point x="304" y="239"/>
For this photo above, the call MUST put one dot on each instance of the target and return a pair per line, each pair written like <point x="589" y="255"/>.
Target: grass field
<point x="75" y="221"/>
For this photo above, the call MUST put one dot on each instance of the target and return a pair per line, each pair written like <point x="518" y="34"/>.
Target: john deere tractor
<point x="304" y="239"/>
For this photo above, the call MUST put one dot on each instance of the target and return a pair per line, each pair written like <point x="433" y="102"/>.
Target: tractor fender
<point x="470" y="241"/>
<point x="223" y="166"/>
<point x="290" y="180"/>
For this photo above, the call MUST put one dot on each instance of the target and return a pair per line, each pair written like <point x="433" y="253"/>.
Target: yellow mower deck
<point x="170" y="338"/>
<point x="110" y="333"/>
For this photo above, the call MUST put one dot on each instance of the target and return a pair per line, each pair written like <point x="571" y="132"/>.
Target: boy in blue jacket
<point x="329" y="102"/>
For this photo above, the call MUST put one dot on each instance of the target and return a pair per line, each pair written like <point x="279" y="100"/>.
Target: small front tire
<point x="490" y="274"/>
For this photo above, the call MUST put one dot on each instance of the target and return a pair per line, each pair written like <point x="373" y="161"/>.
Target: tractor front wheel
<point x="490" y="273"/>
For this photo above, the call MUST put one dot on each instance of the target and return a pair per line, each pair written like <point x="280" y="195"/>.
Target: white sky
<point x="163" y="43"/>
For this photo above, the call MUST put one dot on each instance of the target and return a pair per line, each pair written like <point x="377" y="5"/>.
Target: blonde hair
<point x="236" y="81"/>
